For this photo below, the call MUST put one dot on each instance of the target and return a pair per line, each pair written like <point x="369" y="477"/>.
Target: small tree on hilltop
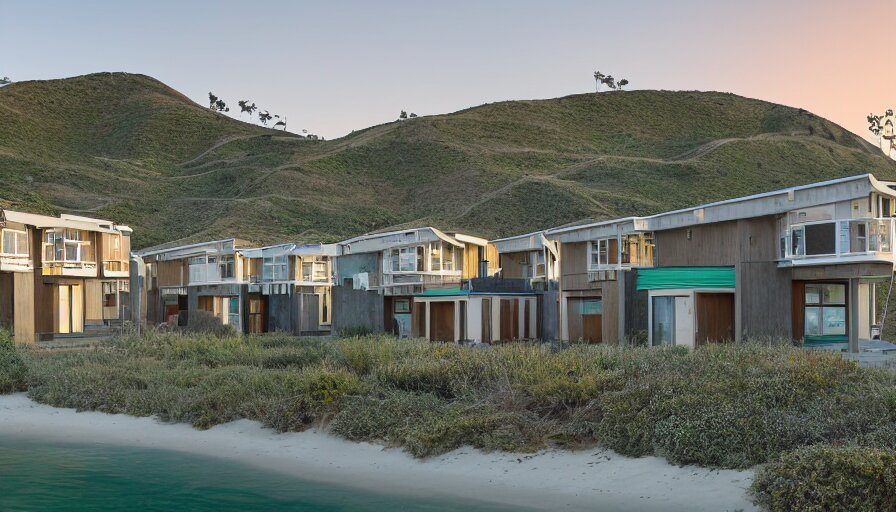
<point x="212" y="100"/>
<point x="264" y="116"/>
<point x="5" y="80"/>
<point x="220" y="106"/>
<point x="622" y="83"/>
<point x="598" y="79"/>
<point x="246" y="107"/>
<point x="402" y="116"/>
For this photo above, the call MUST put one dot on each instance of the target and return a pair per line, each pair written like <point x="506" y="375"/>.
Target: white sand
<point x="553" y="479"/>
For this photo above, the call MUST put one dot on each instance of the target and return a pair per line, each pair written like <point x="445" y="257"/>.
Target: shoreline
<point x="593" y="479"/>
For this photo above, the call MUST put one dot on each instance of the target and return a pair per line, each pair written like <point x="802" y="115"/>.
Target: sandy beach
<point x="557" y="480"/>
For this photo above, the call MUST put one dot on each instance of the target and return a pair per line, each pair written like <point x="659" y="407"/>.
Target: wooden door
<point x="592" y="328"/>
<point x="510" y="319"/>
<point x="77" y="302"/>
<point x="70" y="309"/>
<point x="715" y="317"/>
<point x="65" y="309"/>
<point x="591" y="309"/>
<point x="257" y="314"/>
<point x="441" y="323"/>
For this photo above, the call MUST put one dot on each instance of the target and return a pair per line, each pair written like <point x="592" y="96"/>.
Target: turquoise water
<point x="41" y="476"/>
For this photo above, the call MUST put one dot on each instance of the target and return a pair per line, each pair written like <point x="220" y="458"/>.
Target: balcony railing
<point x="69" y="268"/>
<point x="116" y="267"/>
<point x="852" y="239"/>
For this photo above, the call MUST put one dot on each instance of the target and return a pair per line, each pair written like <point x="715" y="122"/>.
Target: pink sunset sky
<point x="332" y="67"/>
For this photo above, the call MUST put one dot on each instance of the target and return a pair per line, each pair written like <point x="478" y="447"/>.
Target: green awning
<point x="442" y="292"/>
<point x="685" y="277"/>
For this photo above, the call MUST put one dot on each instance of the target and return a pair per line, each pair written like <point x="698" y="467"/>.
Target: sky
<point x="335" y="66"/>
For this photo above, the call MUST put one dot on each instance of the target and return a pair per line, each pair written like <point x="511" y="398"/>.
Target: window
<point x="275" y="268"/>
<point x="67" y="245"/>
<point x="233" y="311"/>
<point x="663" y="321"/>
<point x="604" y="252"/>
<point x="197" y="268"/>
<point x="315" y="269"/>
<point x="539" y="264"/>
<point x="402" y="306"/>
<point x="820" y="239"/>
<point x="324" y="304"/>
<point x="797" y="245"/>
<point x="448" y="258"/>
<point x="886" y="207"/>
<point x="227" y="267"/>
<point x="825" y="312"/>
<point x="110" y="294"/>
<point x="394" y="260"/>
<point x="15" y="242"/>
<point x="861" y="238"/>
<point x="435" y="257"/>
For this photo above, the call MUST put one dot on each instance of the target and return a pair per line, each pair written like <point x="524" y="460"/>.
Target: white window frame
<point x="16" y="237"/>
<point x="320" y="266"/>
<point x="52" y="236"/>
<point x="598" y="243"/>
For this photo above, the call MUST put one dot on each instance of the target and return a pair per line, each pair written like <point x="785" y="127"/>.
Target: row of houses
<point x="802" y="262"/>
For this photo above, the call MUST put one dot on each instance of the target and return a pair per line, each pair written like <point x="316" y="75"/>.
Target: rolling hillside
<point x="129" y="148"/>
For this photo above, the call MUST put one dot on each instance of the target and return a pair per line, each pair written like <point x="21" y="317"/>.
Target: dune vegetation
<point x="725" y="406"/>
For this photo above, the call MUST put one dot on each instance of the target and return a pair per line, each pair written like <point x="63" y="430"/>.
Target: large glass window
<point x="821" y="239"/>
<point x="275" y="268"/>
<point x="825" y="312"/>
<point x="67" y="245"/>
<point x="227" y="266"/>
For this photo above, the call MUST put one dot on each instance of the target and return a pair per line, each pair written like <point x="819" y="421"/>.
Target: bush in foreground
<point x="13" y="370"/>
<point x="829" y="478"/>
<point x="732" y="406"/>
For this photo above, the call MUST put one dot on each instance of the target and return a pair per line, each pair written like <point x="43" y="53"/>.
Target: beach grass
<point x="724" y="406"/>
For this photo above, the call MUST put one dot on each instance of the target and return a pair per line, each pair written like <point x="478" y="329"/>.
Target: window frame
<point x="16" y="235"/>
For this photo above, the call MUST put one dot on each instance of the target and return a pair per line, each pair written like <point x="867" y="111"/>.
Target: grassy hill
<point x="129" y="148"/>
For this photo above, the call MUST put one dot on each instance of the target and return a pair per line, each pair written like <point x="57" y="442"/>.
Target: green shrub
<point x="309" y="396"/>
<point x="13" y="370"/>
<point x="829" y="478"/>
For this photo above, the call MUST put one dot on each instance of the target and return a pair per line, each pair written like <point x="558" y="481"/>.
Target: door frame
<point x="682" y="292"/>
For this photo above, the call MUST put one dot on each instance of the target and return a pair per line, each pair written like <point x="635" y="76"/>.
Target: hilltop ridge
<point x="129" y="148"/>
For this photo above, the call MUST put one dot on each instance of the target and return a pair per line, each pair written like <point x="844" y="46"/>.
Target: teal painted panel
<point x="685" y="277"/>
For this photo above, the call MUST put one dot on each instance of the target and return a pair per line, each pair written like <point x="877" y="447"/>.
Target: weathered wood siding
<point x="172" y="273"/>
<point x="93" y="301"/>
<point x="763" y="297"/>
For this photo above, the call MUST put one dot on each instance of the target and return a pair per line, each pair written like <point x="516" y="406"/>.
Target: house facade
<point x="62" y="276"/>
<point x="802" y="262"/>
<point x="382" y="281"/>
<point x="183" y="283"/>
<point x="291" y="288"/>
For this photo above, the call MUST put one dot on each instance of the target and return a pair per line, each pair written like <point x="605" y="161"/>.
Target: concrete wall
<point x="357" y="308"/>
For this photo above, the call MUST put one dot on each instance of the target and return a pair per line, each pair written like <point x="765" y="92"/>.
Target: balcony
<point x="70" y="268"/>
<point x="116" y="268"/>
<point x="15" y="263"/>
<point x="838" y="241"/>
